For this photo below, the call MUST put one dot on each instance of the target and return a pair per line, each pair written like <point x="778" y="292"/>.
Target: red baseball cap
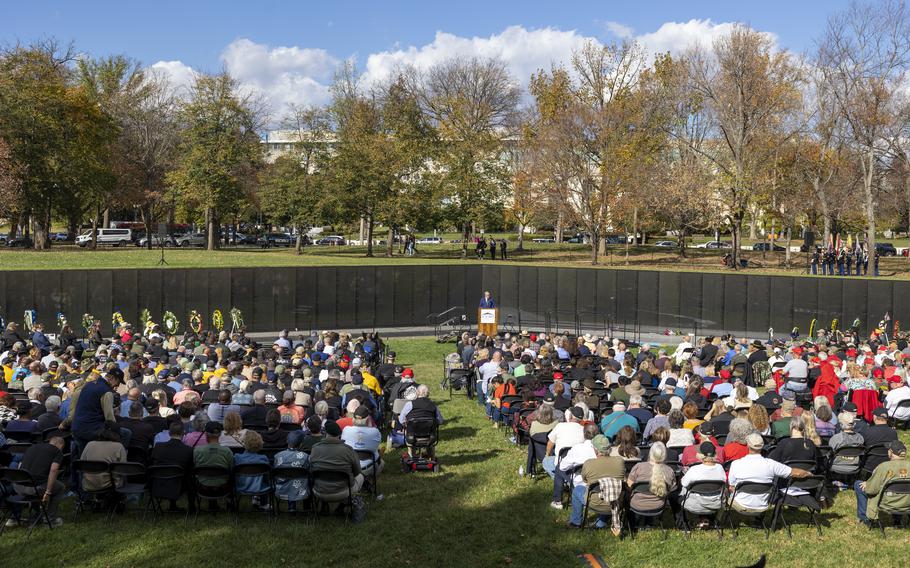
<point x="724" y="374"/>
<point x="878" y="373"/>
<point x="557" y="376"/>
<point x="408" y="373"/>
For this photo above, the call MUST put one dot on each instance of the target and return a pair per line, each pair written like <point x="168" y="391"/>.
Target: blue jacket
<point x="89" y="413"/>
<point x="41" y="341"/>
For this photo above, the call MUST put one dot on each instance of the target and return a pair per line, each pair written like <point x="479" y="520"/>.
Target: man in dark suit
<point x="174" y="452"/>
<point x="708" y="352"/>
<point x="255" y="417"/>
<point x="487" y="301"/>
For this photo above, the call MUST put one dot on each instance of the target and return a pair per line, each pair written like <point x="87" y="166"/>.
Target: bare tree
<point x="864" y="59"/>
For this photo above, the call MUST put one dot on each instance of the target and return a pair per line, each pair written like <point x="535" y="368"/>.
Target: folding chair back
<point x="165" y="481"/>
<point x="537" y="450"/>
<point x="708" y="490"/>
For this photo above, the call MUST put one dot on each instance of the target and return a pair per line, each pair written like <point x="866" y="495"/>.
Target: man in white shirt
<point x="757" y="469"/>
<point x="487" y="371"/>
<point x="899" y="392"/>
<point x="574" y="459"/>
<point x="564" y="435"/>
<point x="363" y="437"/>
<point x="681" y="353"/>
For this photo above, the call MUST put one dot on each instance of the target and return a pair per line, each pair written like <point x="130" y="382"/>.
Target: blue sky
<point x="288" y="50"/>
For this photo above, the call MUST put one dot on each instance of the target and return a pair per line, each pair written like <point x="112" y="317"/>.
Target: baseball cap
<point x="600" y="443"/>
<point x="707" y="449"/>
<point x="897" y="448"/>
<point x="549" y="399"/>
<point x="577" y="412"/>
<point x="881" y="412"/>
<point x="362" y="411"/>
<point x="755" y="441"/>
<point x="408" y="372"/>
<point x="671" y="382"/>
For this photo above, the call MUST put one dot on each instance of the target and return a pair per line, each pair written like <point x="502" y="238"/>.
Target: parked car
<point x="714" y="245"/>
<point x="191" y="240"/>
<point x="767" y="247"/>
<point x="58" y="237"/>
<point x="20" y="242"/>
<point x="332" y="240"/>
<point x="666" y="244"/>
<point x="157" y="241"/>
<point x="274" y="240"/>
<point x="544" y="240"/>
<point x="240" y="239"/>
<point x="430" y="241"/>
<point x="112" y="237"/>
<point x="886" y="249"/>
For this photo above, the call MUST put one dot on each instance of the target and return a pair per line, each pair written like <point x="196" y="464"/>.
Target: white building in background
<point x="279" y="142"/>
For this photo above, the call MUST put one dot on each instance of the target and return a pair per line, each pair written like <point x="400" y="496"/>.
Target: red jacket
<point x="827" y="383"/>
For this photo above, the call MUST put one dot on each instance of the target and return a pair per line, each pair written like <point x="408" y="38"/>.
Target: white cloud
<point x="677" y="37"/>
<point x="621" y="31"/>
<point x="302" y="75"/>
<point x="523" y="51"/>
<point x="179" y="74"/>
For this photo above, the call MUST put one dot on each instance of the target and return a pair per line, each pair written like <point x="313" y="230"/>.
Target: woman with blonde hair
<point x="717" y="408"/>
<point x="809" y="431"/>
<point x="660" y="478"/>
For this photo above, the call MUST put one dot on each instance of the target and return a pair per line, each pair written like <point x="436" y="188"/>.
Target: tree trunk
<point x="298" y="246"/>
<point x="753" y="226"/>
<point x="148" y="228"/>
<point x="106" y="223"/>
<point x="388" y="249"/>
<point x="681" y="242"/>
<point x="789" y="242"/>
<point x="370" y="227"/>
<point x="737" y="229"/>
<point x="362" y="227"/>
<point x="869" y="205"/>
<point x="95" y="228"/>
<point x="595" y="243"/>
<point x="559" y="227"/>
<point x="521" y="237"/>
<point x="72" y="227"/>
<point x="464" y="240"/>
<point x="211" y="228"/>
<point x="40" y="232"/>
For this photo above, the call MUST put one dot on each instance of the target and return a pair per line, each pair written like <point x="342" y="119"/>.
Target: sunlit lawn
<point x="475" y="512"/>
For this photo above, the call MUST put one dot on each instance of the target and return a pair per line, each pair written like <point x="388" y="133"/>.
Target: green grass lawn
<point x="475" y="512"/>
<point x="68" y="257"/>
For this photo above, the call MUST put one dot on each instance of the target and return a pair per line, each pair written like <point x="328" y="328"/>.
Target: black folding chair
<point x="133" y="485"/>
<point x="23" y="478"/>
<point x="284" y="474"/>
<point x="767" y="490"/>
<point x="252" y="471"/>
<point x="205" y="490"/>
<point x="592" y="487"/>
<point x="164" y="482"/>
<point x="96" y="496"/>
<point x="814" y="486"/>
<point x="895" y="422"/>
<point x="537" y="450"/>
<point x="850" y="461"/>
<point x="344" y="498"/>
<point x="708" y="490"/>
<point x="289" y="426"/>
<point x="644" y="488"/>
<point x="367" y="455"/>
<point x="879" y="451"/>
<point x="27" y="437"/>
<point x="896" y="486"/>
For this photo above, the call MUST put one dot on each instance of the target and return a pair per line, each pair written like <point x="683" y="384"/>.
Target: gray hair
<point x="52" y="404"/>
<point x="846" y="420"/>
<point x="423" y="391"/>
<point x="635" y="399"/>
<point x="322" y="408"/>
<point x="259" y="396"/>
<point x="545" y="414"/>
<point x="739" y="429"/>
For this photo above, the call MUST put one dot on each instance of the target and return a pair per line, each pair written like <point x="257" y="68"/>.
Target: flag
<point x="849" y="242"/>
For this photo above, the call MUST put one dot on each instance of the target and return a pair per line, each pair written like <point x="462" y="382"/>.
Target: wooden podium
<point x="487" y="321"/>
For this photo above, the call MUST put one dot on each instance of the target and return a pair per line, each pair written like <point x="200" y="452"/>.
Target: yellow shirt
<point x="370" y="382"/>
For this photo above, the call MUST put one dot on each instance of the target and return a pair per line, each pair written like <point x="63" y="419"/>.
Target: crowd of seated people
<point x="213" y="400"/>
<point x="630" y="432"/>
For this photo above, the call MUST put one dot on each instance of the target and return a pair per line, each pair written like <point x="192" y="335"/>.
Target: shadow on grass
<point x="462" y="458"/>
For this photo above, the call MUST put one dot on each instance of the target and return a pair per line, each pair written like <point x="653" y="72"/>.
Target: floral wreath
<point x="149" y="327"/>
<point x="29" y="318"/>
<point x="218" y="320"/>
<point x="61" y="320"/>
<point x="170" y="322"/>
<point x="145" y="316"/>
<point x="117" y="320"/>
<point x="237" y="318"/>
<point x="87" y="321"/>
<point x="195" y="321"/>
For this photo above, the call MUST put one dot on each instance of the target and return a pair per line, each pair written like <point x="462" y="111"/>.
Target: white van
<point x="113" y="237"/>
